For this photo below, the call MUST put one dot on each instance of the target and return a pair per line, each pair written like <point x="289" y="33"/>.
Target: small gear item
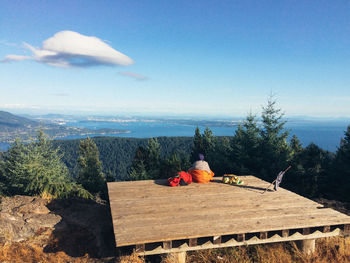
<point x="231" y="179"/>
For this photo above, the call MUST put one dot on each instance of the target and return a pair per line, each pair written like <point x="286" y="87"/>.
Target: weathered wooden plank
<point x="133" y="214"/>
<point x="198" y="197"/>
<point x="161" y="182"/>
<point x="121" y="194"/>
<point x="195" y="211"/>
<point x="198" y="219"/>
<point x="115" y="188"/>
<point x="195" y="207"/>
<point x="259" y="201"/>
<point x="157" y="232"/>
<point x="210" y="187"/>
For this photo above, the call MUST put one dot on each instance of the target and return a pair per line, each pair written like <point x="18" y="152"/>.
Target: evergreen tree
<point x="152" y="158"/>
<point x="315" y="163"/>
<point x="295" y="175"/>
<point x="171" y="165"/>
<point x="274" y="149"/>
<point x="198" y="146"/>
<point x="138" y="169"/>
<point x="109" y="176"/>
<point x="208" y="141"/>
<point x="203" y="143"/>
<point x="138" y="172"/>
<point x="36" y="169"/>
<point x="90" y="175"/>
<point x="3" y="181"/>
<point x="245" y="147"/>
<point x="220" y="159"/>
<point x="174" y="163"/>
<point x="13" y="179"/>
<point x="295" y="146"/>
<point x="340" y="180"/>
<point x="147" y="162"/>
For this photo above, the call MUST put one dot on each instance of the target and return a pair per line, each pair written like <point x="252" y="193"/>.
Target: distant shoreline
<point x="325" y="134"/>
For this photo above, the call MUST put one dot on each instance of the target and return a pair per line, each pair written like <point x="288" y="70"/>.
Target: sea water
<point x="325" y="134"/>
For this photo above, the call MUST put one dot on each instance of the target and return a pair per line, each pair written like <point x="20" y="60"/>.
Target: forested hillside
<point x="8" y="120"/>
<point x="117" y="154"/>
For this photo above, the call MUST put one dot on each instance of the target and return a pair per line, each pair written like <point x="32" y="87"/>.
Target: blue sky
<point x="175" y="57"/>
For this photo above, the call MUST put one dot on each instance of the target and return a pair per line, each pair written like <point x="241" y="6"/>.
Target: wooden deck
<point x="156" y="218"/>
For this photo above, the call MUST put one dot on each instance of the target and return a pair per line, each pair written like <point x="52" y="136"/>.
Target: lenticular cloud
<point x="71" y="49"/>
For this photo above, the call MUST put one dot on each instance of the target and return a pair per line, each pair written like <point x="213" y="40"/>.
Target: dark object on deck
<point x="278" y="180"/>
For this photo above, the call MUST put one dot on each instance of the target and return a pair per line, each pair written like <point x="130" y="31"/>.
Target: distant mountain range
<point x="12" y="126"/>
<point x="10" y="121"/>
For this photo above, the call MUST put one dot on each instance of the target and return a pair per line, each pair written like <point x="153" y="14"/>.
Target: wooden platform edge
<point x="265" y="237"/>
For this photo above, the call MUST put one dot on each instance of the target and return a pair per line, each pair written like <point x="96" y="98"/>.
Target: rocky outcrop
<point x="76" y="227"/>
<point x="22" y="217"/>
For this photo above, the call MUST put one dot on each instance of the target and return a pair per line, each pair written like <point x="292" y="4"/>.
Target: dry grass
<point x="328" y="250"/>
<point x="22" y="252"/>
<point x="335" y="249"/>
<point x="131" y="259"/>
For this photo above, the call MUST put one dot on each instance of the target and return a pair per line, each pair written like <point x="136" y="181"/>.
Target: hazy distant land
<point x="13" y="126"/>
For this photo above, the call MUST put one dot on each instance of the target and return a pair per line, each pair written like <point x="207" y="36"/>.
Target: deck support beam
<point x="346" y="231"/>
<point x="180" y="257"/>
<point x="192" y="242"/>
<point x="140" y="248"/>
<point x="307" y="246"/>
<point x="167" y="245"/>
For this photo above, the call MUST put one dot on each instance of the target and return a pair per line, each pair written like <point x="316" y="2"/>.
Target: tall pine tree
<point x="14" y="180"/>
<point x="138" y="170"/>
<point x="152" y="158"/>
<point x="203" y="143"/>
<point x="245" y="147"/>
<point x="90" y="175"/>
<point x="147" y="162"/>
<point x="340" y="180"/>
<point x="314" y="164"/>
<point x="274" y="148"/>
<point x="36" y="169"/>
<point x="198" y="146"/>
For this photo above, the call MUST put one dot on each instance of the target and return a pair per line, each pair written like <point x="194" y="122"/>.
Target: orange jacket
<point x="201" y="176"/>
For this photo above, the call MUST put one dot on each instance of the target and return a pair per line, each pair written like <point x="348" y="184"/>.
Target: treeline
<point x="117" y="154"/>
<point x="260" y="146"/>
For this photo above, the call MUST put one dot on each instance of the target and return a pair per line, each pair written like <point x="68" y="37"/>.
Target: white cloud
<point x="9" y="44"/>
<point x="71" y="49"/>
<point x="133" y="75"/>
<point x="10" y="58"/>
